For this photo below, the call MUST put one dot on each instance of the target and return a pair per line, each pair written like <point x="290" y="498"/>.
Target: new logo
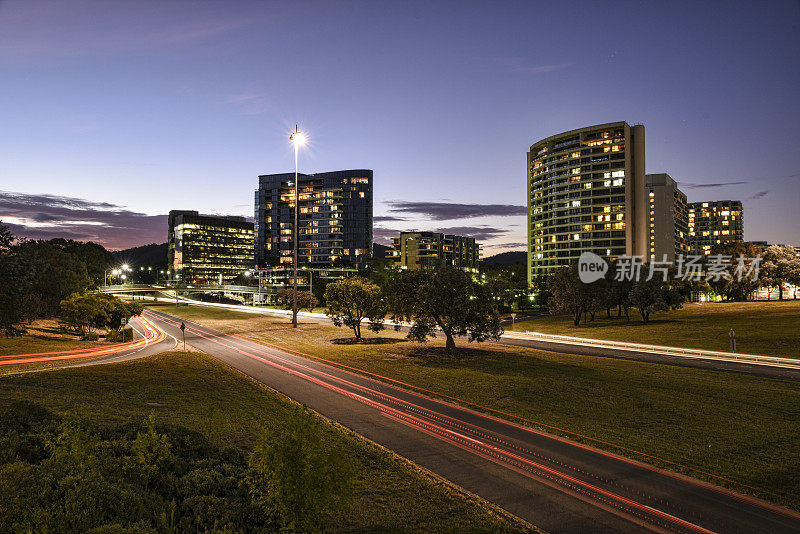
<point x="591" y="267"/>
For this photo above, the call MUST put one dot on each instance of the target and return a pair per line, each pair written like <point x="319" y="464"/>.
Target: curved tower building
<point x="586" y="192"/>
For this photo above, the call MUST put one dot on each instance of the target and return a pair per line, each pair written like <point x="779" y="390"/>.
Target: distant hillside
<point x="153" y="255"/>
<point x="505" y="258"/>
<point x="380" y="251"/>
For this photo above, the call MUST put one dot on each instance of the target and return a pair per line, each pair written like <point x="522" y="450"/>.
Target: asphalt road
<point x="556" y="484"/>
<point x="159" y="341"/>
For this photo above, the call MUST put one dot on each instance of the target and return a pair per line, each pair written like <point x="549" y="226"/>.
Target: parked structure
<point x="586" y="192"/>
<point x="208" y="249"/>
<point x="716" y="222"/>
<point x="335" y="220"/>
<point x="432" y="250"/>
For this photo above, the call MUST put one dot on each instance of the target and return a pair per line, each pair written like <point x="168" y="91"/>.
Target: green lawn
<point x="771" y="328"/>
<point x="744" y="428"/>
<point x="194" y="391"/>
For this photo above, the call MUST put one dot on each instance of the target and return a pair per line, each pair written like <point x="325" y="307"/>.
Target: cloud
<point x="478" y="232"/>
<point x="92" y="27"/>
<point x="760" y="194"/>
<point x="50" y="216"/>
<point x="510" y="245"/>
<point x="689" y="185"/>
<point x="250" y="103"/>
<point x="524" y="66"/>
<point x="386" y="218"/>
<point x="440" y="211"/>
<point x="384" y="235"/>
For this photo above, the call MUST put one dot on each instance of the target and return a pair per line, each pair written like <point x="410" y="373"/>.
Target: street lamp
<point x="297" y="139"/>
<point x="310" y="280"/>
<point x="114" y="272"/>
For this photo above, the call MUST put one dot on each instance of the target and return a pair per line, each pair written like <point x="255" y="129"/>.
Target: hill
<point x="153" y="255"/>
<point x="505" y="258"/>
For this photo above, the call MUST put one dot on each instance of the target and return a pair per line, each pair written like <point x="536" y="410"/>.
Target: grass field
<point x="771" y="328"/>
<point x="196" y="392"/>
<point x="744" y="428"/>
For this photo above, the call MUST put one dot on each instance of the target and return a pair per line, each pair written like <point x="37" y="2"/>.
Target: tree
<point x="351" y="300"/>
<point x="298" y="477"/>
<point x="570" y="295"/>
<point x="781" y="265"/>
<point x="654" y="295"/>
<point x="617" y="293"/>
<point x="305" y="299"/>
<point x="96" y="258"/>
<point x="52" y="274"/>
<point x="447" y="298"/>
<point x="6" y="238"/>
<point x="737" y="288"/>
<point x="94" y="310"/>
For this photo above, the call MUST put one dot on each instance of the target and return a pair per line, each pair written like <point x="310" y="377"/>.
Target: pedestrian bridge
<point x="157" y="288"/>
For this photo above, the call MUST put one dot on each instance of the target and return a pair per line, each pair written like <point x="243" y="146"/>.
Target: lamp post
<point x="297" y="138"/>
<point x="114" y="272"/>
<point x="310" y="280"/>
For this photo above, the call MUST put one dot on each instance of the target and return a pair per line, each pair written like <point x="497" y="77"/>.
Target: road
<point x="148" y="340"/>
<point x="554" y="483"/>
<point x="586" y="349"/>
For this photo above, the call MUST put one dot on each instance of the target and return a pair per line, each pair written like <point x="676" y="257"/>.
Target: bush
<point x="297" y="478"/>
<point x="90" y="336"/>
<point x="129" y="478"/>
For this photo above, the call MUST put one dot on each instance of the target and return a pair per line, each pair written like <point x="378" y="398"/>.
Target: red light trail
<point x="503" y="442"/>
<point x="152" y="334"/>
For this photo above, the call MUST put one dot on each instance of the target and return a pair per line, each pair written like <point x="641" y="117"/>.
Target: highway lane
<point x="764" y="371"/>
<point x="554" y="483"/>
<point x="153" y="340"/>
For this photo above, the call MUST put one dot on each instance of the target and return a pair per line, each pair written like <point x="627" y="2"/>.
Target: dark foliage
<point x="65" y="475"/>
<point x="153" y="255"/>
<point x="446" y="299"/>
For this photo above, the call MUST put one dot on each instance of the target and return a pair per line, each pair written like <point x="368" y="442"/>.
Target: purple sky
<point x="130" y="109"/>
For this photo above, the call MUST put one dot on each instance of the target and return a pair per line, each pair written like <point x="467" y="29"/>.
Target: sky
<point x="112" y="113"/>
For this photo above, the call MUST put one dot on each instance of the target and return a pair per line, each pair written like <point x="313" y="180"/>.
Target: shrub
<point x="90" y="336"/>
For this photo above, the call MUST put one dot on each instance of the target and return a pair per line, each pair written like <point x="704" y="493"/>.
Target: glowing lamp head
<point x="298" y="138"/>
<point x="125" y="267"/>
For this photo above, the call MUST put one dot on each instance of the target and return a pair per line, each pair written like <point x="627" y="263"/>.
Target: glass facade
<point x="335" y="219"/>
<point x="204" y="249"/>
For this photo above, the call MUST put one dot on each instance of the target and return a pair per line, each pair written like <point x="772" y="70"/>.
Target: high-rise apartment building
<point x="668" y="217"/>
<point x="586" y="192"/>
<point x="335" y="219"/>
<point x="715" y="222"/>
<point x="208" y="249"/>
<point x="432" y="250"/>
